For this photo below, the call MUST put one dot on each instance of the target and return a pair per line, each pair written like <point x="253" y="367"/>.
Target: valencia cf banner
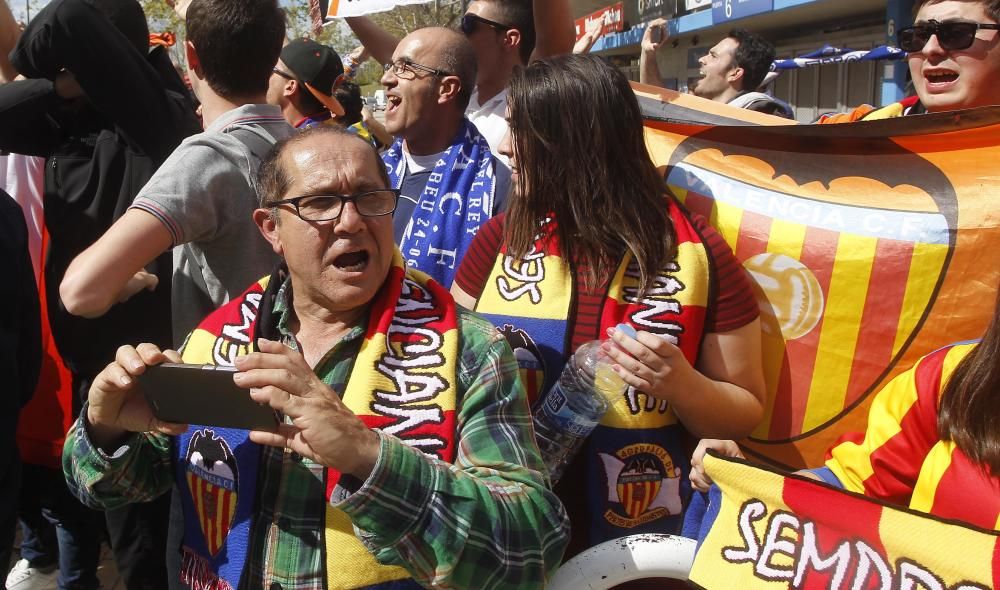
<point x="762" y="529"/>
<point x="870" y="244"/>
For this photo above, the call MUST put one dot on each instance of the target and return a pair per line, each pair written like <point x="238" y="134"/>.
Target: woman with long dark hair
<point x="592" y="238"/>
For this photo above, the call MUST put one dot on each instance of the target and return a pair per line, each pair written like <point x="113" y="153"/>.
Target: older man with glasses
<point x="953" y="50"/>
<point x="504" y="34"/>
<point x="405" y="456"/>
<point x="449" y="180"/>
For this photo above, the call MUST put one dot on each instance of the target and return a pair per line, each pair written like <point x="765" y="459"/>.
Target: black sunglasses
<point x="469" y="20"/>
<point x="951" y="35"/>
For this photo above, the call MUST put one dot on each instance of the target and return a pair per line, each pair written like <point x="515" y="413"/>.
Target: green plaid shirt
<point x="487" y="521"/>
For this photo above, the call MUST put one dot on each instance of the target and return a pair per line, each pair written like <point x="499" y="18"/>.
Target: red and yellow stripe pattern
<point x="407" y="366"/>
<point x="842" y="288"/>
<point x="215" y="506"/>
<point x="901" y="459"/>
<point x="864" y="241"/>
<point x="777" y="531"/>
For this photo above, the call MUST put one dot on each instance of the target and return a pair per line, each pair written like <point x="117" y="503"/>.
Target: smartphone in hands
<point x="203" y="394"/>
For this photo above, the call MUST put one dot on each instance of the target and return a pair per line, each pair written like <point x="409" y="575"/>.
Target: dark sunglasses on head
<point x="951" y="35"/>
<point x="469" y="20"/>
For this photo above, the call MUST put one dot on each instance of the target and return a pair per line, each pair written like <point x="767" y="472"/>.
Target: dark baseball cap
<point x="318" y="67"/>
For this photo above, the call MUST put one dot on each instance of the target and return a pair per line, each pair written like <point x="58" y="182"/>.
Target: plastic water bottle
<point x="568" y="412"/>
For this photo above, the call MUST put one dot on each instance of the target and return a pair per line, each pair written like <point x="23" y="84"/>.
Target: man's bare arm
<point x="380" y="44"/>
<point x="555" y="32"/>
<point x="376" y="128"/>
<point x="9" y="33"/>
<point x="111" y="269"/>
<point x="649" y="71"/>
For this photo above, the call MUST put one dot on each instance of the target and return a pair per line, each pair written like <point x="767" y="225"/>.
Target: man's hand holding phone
<point x="655" y="35"/>
<point x="322" y="428"/>
<point x="115" y="405"/>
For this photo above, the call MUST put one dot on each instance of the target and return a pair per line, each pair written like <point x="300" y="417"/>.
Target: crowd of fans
<point x="389" y="288"/>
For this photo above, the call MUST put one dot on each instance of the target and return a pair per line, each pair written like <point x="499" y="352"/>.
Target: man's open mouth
<point x="352" y="261"/>
<point x="941" y="77"/>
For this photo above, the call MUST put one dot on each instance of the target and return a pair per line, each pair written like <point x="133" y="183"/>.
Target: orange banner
<point x="870" y="245"/>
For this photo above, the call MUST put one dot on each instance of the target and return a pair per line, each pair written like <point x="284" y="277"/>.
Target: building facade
<point x="796" y="27"/>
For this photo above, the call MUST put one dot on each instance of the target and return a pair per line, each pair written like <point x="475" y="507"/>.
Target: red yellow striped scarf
<point x="535" y="296"/>
<point x="637" y="463"/>
<point x="407" y="361"/>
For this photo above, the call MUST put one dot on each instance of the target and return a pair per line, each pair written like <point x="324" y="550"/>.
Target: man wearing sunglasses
<point x="303" y="83"/>
<point x="504" y="34"/>
<point x="404" y="459"/>
<point x="953" y="50"/>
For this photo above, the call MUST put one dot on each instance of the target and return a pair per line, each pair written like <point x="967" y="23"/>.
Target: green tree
<point x="300" y="24"/>
<point x="161" y="17"/>
<point x="403" y="20"/>
<point x="400" y="22"/>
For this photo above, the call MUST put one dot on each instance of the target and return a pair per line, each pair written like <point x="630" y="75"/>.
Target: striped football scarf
<point x="760" y="529"/>
<point x="457" y="199"/>
<point x="408" y="358"/>
<point x="637" y="465"/>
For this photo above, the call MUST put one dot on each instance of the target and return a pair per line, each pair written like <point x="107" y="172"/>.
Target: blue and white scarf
<point x="457" y="199"/>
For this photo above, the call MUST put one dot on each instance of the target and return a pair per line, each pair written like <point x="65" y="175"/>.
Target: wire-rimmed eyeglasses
<point x="403" y="65"/>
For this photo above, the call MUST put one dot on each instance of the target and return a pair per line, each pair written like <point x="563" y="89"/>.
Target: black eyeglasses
<point x="329" y="207"/>
<point x="403" y="65"/>
<point x="469" y="20"/>
<point x="283" y="73"/>
<point x="951" y="35"/>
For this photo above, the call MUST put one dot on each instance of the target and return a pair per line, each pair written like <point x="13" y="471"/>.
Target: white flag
<point x="342" y="8"/>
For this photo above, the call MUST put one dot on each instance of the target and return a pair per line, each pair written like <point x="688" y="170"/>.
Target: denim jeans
<point x="57" y="528"/>
<point x="137" y="533"/>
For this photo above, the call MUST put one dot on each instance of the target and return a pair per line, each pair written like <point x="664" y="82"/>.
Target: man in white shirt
<point x="503" y="34"/>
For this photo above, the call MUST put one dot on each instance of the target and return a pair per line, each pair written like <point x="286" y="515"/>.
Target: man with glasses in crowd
<point x="303" y="83"/>
<point x="449" y="179"/>
<point x="504" y="34"/>
<point x="399" y="462"/>
<point x="953" y="50"/>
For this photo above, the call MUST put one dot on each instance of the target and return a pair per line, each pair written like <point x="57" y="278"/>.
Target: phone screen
<point x="657" y="34"/>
